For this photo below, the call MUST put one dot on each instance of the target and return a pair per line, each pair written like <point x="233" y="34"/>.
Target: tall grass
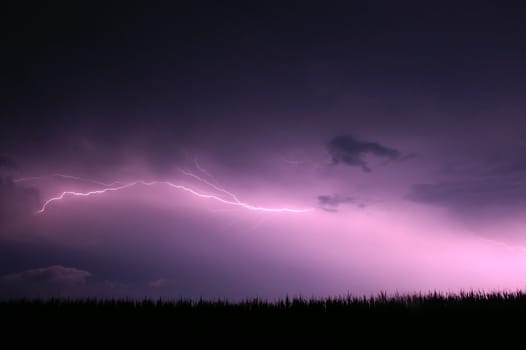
<point x="424" y="319"/>
<point x="470" y="304"/>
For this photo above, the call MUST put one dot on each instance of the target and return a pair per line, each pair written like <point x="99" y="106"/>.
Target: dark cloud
<point x="332" y="202"/>
<point x="7" y="163"/>
<point x="52" y="274"/>
<point x="515" y="167"/>
<point x="351" y="151"/>
<point x="495" y="181"/>
<point x="52" y="281"/>
<point x="16" y="202"/>
<point x="499" y="164"/>
<point x="470" y="194"/>
<point x="161" y="283"/>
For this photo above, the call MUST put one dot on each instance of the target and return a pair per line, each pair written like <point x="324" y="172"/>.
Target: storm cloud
<point x="332" y="202"/>
<point x="161" y="283"/>
<point x="257" y="100"/>
<point x="7" y="163"/>
<point x="351" y="151"/>
<point x="490" y="182"/>
<point x="470" y="195"/>
<point x="16" y="202"/>
<point x="51" y="281"/>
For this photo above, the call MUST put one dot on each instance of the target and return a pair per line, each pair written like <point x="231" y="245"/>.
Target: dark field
<point x="415" y="315"/>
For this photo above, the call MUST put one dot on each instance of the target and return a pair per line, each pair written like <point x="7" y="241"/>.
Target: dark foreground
<point x="433" y="316"/>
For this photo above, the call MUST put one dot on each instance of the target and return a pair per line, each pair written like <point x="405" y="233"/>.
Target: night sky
<point x="234" y="150"/>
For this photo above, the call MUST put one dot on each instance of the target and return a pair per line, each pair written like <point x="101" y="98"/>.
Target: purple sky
<point x="396" y="131"/>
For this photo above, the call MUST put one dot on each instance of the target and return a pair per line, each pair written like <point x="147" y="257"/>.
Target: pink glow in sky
<point x="260" y="151"/>
<point x="363" y="246"/>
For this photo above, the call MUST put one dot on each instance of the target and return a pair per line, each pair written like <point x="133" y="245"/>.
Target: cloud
<point x="494" y="181"/>
<point x="52" y="274"/>
<point x="470" y="194"/>
<point x="332" y="202"/>
<point x="52" y="281"/>
<point x="7" y="163"/>
<point x="350" y="151"/>
<point x="161" y="283"/>
<point x="16" y="202"/>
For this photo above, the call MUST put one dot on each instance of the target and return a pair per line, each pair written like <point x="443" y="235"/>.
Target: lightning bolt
<point x="69" y="177"/>
<point x="81" y="194"/>
<point x="234" y="202"/>
<point x="201" y="169"/>
<point x="229" y="202"/>
<point x="214" y="186"/>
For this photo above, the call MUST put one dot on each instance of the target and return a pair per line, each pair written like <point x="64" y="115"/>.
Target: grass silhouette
<point x="398" y="319"/>
<point x="418" y="310"/>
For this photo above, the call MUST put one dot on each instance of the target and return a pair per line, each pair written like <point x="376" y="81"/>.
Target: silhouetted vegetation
<point x="401" y="314"/>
